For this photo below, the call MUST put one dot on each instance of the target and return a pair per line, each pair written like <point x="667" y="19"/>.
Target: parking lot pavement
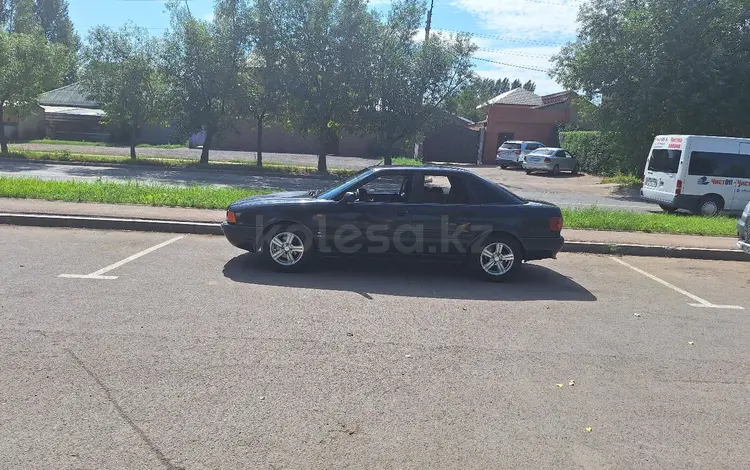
<point x="189" y="354"/>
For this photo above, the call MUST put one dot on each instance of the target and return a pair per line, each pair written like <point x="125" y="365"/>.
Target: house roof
<point x="68" y="96"/>
<point x="556" y="98"/>
<point x="73" y="111"/>
<point x="517" y="96"/>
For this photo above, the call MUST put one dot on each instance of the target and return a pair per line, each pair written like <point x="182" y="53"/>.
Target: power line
<point x="535" y="69"/>
<point x="506" y="38"/>
<point x="524" y="54"/>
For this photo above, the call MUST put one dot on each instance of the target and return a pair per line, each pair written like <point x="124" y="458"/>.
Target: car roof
<point x="522" y="142"/>
<point x="420" y="168"/>
<point x="549" y="148"/>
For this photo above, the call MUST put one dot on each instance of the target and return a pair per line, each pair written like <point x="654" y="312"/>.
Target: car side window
<point x="568" y="155"/>
<point x="439" y="189"/>
<point x="560" y="154"/>
<point x="384" y="188"/>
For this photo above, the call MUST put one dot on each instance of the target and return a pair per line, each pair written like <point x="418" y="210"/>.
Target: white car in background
<point x="513" y="152"/>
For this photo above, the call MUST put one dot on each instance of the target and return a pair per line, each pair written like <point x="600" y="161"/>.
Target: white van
<point x="701" y="174"/>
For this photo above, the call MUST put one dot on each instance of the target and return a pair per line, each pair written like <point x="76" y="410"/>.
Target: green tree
<point x="30" y="66"/>
<point x="412" y="80"/>
<point x="122" y="76"/>
<point x="665" y="66"/>
<point x="202" y="61"/>
<point x="263" y="78"/>
<point x="516" y="84"/>
<point x="530" y="86"/>
<point x="327" y="62"/>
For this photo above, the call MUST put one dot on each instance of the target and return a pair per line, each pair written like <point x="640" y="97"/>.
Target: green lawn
<point x="202" y="197"/>
<point x="234" y="165"/>
<point x="600" y="219"/>
<point x="87" y="143"/>
<point x="628" y="181"/>
<point x="208" y="197"/>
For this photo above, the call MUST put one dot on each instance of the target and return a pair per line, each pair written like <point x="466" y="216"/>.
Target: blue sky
<point x="517" y="32"/>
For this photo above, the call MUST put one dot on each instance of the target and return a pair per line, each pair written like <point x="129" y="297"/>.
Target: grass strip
<point x="175" y="163"/>
<point x="87" y="143"/>
<point x="201" y="197"/>
<point x="210" y="197"/>
<point x="623" y="221"/>
<point x="627" y="181"/>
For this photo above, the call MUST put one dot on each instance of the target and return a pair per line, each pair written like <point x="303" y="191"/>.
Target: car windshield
<point x="510" y="146"/>
<point x="543" y="152"/>
<point x="333" y="191"/>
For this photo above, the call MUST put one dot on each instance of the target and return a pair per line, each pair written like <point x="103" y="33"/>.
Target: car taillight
<point x="547" y="160"/>
<point x="231" y="217"/>
<point x="555" y="224"/>
<point x="518" y="152"/>
<point x="678" y="189"/>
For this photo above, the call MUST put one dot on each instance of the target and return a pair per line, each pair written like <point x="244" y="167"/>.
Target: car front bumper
<point x="241" y="236"/>
<point x="744" y="246"/>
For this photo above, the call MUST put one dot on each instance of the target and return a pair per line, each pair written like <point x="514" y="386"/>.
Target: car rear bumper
<point x="514" y="161"/>
<point x="241" y="236"/>
<point x="543" y="248"/>
<point x="541" y="166"/>
<point x="676" y="201"/>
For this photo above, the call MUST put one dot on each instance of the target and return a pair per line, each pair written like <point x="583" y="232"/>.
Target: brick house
<point x="523" y="115"/>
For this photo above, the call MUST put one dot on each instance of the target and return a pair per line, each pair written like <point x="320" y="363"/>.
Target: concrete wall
<point x="523" y="122"/>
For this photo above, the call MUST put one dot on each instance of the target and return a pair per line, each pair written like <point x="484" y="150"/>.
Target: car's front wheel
<point x="504" y="167"/>
<point x="496" y="258"/>
<point x="287" y="249"/>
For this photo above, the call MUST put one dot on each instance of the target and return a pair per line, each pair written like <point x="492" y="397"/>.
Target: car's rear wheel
<point x="497" y="258"/>
<point x="528" y="172"/>
<point x="576" y="169"/>
<point x="710" y="206"/>
<point x="287" y="248"/>
<point x="504" y="167"/>
<point x="556" y="170"/>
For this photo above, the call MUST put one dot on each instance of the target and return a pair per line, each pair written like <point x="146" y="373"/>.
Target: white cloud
<point x="534" y="57"/>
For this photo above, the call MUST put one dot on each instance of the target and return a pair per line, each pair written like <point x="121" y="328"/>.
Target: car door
<point x="570" y="161"/>
<point x="558" y="158"/>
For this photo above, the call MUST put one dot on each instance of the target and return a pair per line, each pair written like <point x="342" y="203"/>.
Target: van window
<point x="730" y="165"/>
<point x="664" y="161"/>
<point x="510" y="146"/>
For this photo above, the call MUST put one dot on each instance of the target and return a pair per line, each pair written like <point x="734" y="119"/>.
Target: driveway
<point x="188" y="354"/>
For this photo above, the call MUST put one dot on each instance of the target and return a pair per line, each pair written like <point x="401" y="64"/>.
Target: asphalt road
<point x="572" y="194"/>
<point x="193" y="356"/>
<point x="350" y="163"/>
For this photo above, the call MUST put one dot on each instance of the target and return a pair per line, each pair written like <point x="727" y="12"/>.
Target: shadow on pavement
<point x="411" y="279"/>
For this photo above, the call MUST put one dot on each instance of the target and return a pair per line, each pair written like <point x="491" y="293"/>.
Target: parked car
<point x="400" y="211"/>
<point x="743" y="230"/>
<point x="700" y="174"/>
<point x="551" y="160"/>
<point x="513" y="152"/>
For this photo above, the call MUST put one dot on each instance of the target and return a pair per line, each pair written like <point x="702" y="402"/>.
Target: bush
<point x="600" y="153"/>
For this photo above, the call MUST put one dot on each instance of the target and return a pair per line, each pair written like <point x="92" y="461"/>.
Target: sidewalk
<point x="203" y="216"/>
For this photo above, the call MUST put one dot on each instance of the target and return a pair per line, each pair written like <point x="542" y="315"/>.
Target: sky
<point x="520" y="34"/>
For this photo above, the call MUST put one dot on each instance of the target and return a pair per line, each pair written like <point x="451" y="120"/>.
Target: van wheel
<point x="710" y="206"/>
<point x="668" y="209"/>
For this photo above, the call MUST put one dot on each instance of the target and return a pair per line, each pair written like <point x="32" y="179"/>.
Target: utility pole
<point x="429" y="21"/>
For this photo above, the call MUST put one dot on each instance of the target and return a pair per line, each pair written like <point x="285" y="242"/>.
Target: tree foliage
<point x="469" y="101"/>
<point x="122" y="76"/>
<point x="663" y="66"/>
<point x="30" y="66"/>
<point x="203" y="61"/>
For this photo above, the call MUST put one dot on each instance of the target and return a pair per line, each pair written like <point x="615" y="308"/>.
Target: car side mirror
<point x="349" y="197"/>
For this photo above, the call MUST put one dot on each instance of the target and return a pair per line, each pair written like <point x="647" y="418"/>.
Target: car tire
<point x="288" y="248"/>
<point x="575" y="170"/>
<point x="668" y="209"/>
<point x="528" y="172"/>
<point x="710" y="206"/>
<point x="555" y="171"/>
<point x="504" y="167"/>
<point x="496" y="250"/>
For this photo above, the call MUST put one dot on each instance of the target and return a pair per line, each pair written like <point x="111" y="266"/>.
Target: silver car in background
<point x="743" y="230"/>
<point x="552" y="160"/>
<point x="513" y="152"/>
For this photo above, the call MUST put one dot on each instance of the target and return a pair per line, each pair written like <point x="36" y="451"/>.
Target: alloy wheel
<point x="497" y="259"/>
<point x="286" y="248"/>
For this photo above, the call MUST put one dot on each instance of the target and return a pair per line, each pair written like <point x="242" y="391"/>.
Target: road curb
<point x="205" y="228"/>
<point x="110" y="223"/>
<point x="655" y="251"/>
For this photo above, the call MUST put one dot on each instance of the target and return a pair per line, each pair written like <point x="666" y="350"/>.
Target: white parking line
<point x="98" y="274"/>
<point x="701" y="302"/>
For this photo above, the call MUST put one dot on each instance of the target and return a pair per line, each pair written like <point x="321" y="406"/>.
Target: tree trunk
<point x="388" y="159"/>
<point x="322" y="165"/>
<point x="133" y="133"/>
<point x="3" y="138"/>
<point x="206" y="147"/>
<point x="259" y="158"/>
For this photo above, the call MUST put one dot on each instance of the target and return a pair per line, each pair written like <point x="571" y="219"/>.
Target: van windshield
<point x="664" y="161"/>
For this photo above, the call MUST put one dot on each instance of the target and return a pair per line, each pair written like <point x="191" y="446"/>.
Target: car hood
<point x="284" y="197"/>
